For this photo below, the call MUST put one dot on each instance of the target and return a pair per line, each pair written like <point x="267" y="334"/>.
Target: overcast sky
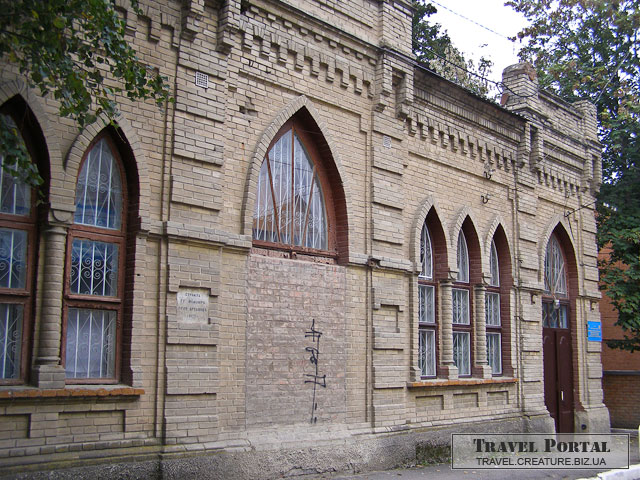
<point x="474" y="40"/>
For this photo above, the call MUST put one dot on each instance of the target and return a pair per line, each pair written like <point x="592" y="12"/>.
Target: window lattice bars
<point x="460" y="306"/>
<point x="425" y="254"/>
<point x="13" y="258"/>
<point x="494" y="352"/>
<point x="555" y="281"/>
<point x="462" y="352"/>
<point x="94" y="268"/>
<point x="462" y="258"/>
<point x="492" y="309"/>
<point x="90" y="347"/>
<point x="427" y="352"/>
<point x="494" y="266"/>
<point x="10" y="339"/>
<point x="99" y="190"/>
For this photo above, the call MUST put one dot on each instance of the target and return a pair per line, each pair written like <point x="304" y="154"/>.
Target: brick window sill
<point x="111" y="392"/>
<point x="461" y="382"/>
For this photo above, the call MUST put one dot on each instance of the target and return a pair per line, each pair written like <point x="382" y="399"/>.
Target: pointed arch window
<point x="492" y="314"/>
<point x="555" y="280"/>
<point x="95" y="265"/>
<point x="426" y="308"/>
<point x="18" y="247"/>
<point x="291" y="207"/>
<point x="555" y="309"/>
<point x="461" y="310"/>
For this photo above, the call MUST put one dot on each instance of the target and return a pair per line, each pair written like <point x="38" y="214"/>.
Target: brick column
<point x="481" y="367"/>
<point x="447" y="367"/>
<point x="47" y="372"/>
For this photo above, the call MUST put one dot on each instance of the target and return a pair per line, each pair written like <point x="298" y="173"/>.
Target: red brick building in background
<point x="621" y="371"/>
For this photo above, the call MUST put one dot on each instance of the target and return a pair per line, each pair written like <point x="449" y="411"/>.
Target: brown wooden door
<point x="558" y="367"/>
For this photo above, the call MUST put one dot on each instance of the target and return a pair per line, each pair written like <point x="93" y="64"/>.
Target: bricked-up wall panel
<point x="284" y="298"/>
<point x="12" y="428"/>
<point x="90" y="426"/>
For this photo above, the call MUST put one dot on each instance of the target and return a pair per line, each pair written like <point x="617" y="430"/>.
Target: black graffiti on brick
<point x="316" y="379"/>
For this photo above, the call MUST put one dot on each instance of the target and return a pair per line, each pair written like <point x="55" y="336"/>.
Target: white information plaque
<point x="193" y="305"/>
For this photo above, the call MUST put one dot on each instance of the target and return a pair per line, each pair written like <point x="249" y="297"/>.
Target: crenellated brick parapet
<point x="562" y="142"/>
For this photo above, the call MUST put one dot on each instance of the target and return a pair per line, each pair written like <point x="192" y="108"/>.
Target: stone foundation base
<point x="593" y="420"/>
<point x="264" y="455"/>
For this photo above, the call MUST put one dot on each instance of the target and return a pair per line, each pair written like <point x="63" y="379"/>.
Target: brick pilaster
<point x="47" y="371"/>
<point x="448" y="368"/>
<point x="481" y="367"/>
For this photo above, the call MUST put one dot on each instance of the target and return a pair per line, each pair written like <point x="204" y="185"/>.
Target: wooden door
<point x="558" y="366"/>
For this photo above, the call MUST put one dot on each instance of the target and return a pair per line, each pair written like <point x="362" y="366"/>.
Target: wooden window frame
<point x="428" y="281"/>
<point x="495" y="289"/>
<point x="23" y="296"/>
<point x="116" y="237"/>
<point x="28" y="223"/>
<point x="297" y="128"/>
<point x="562" y="299"/>
<point x="465" y="327"/>
<point x="464" y="285"/>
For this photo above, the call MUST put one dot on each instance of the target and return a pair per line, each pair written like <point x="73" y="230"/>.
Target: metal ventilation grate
<point x="202" y="80"/>
<point x="386" y="141"/>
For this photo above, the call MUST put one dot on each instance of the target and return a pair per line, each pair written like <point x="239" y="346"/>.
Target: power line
<point x="471" y="20"/>
<point x="499" y="85"/>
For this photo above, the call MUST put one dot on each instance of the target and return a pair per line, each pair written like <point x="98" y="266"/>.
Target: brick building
<point x="621" y="371"/>
<point x="318" y="257"/>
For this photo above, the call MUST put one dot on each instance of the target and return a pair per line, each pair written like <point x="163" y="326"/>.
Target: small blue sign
<point x="594" y="331"/>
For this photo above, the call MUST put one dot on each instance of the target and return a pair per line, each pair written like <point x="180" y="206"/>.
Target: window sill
<point x="85" y="391"/>
<point x="294" y="253"/>
<point x="461" y="382"/>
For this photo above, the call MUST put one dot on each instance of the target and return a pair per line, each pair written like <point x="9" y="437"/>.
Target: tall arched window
<point x="461" y="310"/>
<point x="95" y="268"/>
<point x="293" y="205"/>
<point x="426" y="308"/>
<point x="18" y="248"/>
<point x="555" y="308"/>
<point x="492" y="314"/>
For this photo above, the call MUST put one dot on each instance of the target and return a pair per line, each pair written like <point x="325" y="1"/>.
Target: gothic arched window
<point x="293" y="205"/>
<point x="554" y="306"/>
<point x="96" y="255"/>
<point x="461" y="310"/>
<point x="492" y="314"/>
<point x="426" y="308"/>
<point x="18" y="247"/>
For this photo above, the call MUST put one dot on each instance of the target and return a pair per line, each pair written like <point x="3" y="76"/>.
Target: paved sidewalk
<point x="445" y="472"/>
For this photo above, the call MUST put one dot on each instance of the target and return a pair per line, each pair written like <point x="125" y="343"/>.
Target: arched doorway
<point x="557" y="321"/>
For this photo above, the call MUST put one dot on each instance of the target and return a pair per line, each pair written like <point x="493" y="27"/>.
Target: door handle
<point x="562" y="395"/>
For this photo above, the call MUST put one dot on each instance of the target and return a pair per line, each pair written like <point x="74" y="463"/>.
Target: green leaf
<point x="54" y="44"/>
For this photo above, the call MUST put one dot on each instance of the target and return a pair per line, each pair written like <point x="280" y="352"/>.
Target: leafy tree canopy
<point x="66" y="49"/>
<point x="590" y="49"/>
<point x="433" y="47"/>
